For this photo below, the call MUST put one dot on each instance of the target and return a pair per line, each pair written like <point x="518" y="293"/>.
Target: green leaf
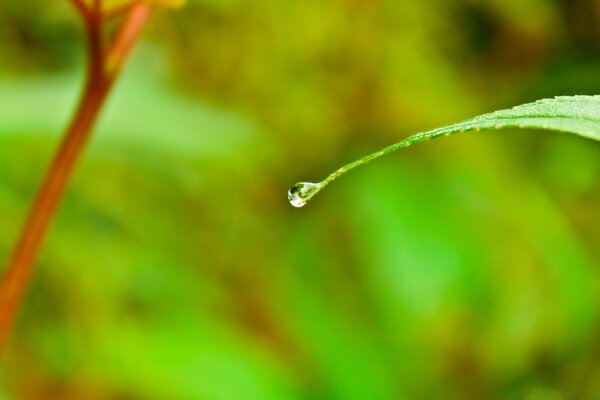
<point x="575" y="114"/>
<point x="114" y="4"/>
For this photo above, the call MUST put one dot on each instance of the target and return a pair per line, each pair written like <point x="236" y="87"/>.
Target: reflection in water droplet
<point x="301" y="192"/>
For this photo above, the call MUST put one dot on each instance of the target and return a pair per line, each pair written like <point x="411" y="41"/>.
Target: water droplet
<point x="301" y="192"/>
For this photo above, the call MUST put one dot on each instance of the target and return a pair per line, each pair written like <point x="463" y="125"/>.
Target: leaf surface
<point x="579" y="115"/>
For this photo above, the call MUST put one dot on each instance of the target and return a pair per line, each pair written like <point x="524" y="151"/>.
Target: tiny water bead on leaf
<point x="302" y="192"/>
<point x="579" y="115"/>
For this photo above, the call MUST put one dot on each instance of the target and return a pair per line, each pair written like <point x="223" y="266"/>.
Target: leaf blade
<point x="579" y="115"/>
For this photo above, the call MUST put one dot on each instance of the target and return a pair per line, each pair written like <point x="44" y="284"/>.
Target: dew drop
<point x="301" y="192"/>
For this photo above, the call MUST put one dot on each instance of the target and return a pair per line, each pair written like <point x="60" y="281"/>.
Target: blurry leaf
<point x="173" y="124"/>
<point x="575" y="114"/>
<point x="110" y="4"/>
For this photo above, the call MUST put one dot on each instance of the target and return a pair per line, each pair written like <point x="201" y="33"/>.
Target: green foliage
<point x="579" y="115"/>
<point x="112" y="4"/>
<point x="176" y="270"/>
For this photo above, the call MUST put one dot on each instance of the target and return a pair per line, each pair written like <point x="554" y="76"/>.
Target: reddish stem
<point x="99" y="81"/>
<point x="119" y="9"/>
<point x="125" y="38"/>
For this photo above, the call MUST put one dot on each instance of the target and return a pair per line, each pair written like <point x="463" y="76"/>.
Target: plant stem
<point x="98" y="83"/>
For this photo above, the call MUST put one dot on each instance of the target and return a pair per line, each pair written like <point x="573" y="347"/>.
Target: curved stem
<point x="98" y="83"/>
<point x="127" y="35"/>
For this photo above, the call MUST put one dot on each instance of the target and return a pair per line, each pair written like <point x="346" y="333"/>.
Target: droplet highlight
<point x="302" y="192"/>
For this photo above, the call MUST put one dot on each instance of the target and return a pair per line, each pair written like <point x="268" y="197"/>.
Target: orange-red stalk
<point x="103" y="68"/>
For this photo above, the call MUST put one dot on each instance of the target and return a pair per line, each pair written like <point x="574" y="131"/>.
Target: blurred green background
<point x="464" y="268"/>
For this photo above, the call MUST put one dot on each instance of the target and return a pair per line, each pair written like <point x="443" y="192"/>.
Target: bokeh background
<point x="463" y="268"/>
